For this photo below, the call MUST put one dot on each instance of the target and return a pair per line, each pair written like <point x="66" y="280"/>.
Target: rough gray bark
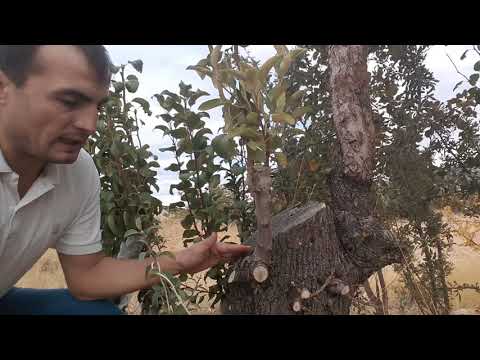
<point x="365" y="241"/>
<point x="305" y="254"/>
<point x="324" y="252"/>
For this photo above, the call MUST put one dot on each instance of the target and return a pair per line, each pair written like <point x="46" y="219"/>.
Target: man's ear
<point x="5" y="84"/>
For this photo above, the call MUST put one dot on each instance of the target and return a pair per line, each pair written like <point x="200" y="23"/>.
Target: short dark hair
<point x="16" y="61"/>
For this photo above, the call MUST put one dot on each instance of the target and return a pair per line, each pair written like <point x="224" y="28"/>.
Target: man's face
<point x="51" y="115"/>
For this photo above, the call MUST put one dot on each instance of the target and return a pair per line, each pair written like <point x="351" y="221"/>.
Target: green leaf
<point x="185" y="90"/>
<point x="276" y="141"/>
<point x="214" y="181"/>
<point x="203" y="132"/>
<point x="266" y="67"/>
<point x="395" y="52"/>
<point x="277" y="90"/>
<point x="210" y="104"/>
<point x="187" y="222"/>
<point x="224" y="147"/>
<point x="257" y="156"/>
<point x="457" y="85"/>
<point x="132" y="83"/>
<point x="473" y="79"/>
<point x="118" y="86"/>
<point x="116" y="149"/>
<point x="191" y="165"/>
<point x="476" y="67"/>
<point x="246" y="132"/>
<point x="199" y="143"/>
<point x="295" y="97"/>
<point x="280" y="104"/>
<point x="144" y="104"/>
<point x="185" y="175"/>
<point x="185" y="145"/>
<point x="297" y="52"/>
<point x="284" y="66"/>
<point x="164" y="128"/>
<point x="179" y="133"/>
<point x="137" y="64"/>
<point x="252" y="119"/>
<point x="179" y="108"/>
<point x="166" y="117"/>
<point x="171" y="148"/>
<point x="174" y="96"/>
<point x="190" y="233"/>
<point x="113" y="225"/>
<point x="114" y="69"/>
<point x="179" y="204"/>
<point x="281" y="159"/>
<point x="173" y="167"/>
<point x="301" y="111"/>
<point x="256" y="146"/>
<point x="108" y="169"/>
<point x="196" y="95"/>
<point x="236" y="74"/>
<point x="201" y="70"/>
<point x="283" y="118"/>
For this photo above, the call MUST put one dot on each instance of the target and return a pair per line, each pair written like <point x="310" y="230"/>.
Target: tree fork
<point x="369" y="245"/>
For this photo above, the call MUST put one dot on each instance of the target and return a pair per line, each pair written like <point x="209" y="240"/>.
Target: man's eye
<point x="69" y="103"/>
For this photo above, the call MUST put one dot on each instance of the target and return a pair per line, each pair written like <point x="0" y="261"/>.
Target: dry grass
<point x="465" y="255"/>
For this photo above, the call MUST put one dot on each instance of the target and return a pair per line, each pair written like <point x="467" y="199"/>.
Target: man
<point x="49" y="186"/>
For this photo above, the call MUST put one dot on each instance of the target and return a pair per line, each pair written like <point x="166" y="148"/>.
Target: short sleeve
<point x="83" y="235"/>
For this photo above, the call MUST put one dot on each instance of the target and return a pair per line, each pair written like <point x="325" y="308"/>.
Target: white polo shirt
<point x="61" y="210"/>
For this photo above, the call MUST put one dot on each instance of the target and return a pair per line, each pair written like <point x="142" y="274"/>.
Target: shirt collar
<point x="3" y="164"/>
<point x="51" y="171"/>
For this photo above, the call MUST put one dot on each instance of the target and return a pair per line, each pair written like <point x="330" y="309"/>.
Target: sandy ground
<point x="465" y="255"/>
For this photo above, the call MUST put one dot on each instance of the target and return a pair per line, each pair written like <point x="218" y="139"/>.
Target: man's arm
<point x="96" y="276"/>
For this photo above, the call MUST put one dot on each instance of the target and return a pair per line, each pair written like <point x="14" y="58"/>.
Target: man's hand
<point x="96" y="276"/>
<point x="208" y="253"/>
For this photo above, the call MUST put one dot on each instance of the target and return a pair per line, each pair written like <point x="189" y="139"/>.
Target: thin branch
<point x="298" y="180"/>
<point x="456" y="66"/>
<point x="325" y="284"/>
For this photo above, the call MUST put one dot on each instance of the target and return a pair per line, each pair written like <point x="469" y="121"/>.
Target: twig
<point x="325" y="284"/>
<point x="298" y="180"/>
<point x="456" y="66"/>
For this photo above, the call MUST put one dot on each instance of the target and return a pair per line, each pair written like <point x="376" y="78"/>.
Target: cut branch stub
<point x="260" y="273"/>
<point x="261" y="183"/>
<point x="338" y="287"/>
<point x="297" y="306"/>
<point x="249" y="270"/>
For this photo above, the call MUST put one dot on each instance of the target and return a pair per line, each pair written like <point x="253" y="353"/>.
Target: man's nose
<point x="87" y="121"/>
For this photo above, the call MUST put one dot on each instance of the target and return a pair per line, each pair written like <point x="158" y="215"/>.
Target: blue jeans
<point x="20" y="301"/>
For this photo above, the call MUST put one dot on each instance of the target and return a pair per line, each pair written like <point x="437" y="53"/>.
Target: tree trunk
<point x="306" y="257"/>
<point x="320" y="253"/>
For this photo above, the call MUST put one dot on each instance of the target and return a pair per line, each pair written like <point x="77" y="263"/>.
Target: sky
<point x="164" y="66"/>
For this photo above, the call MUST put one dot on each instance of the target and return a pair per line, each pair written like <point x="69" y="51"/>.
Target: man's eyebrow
<point x="80" y="96"/>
